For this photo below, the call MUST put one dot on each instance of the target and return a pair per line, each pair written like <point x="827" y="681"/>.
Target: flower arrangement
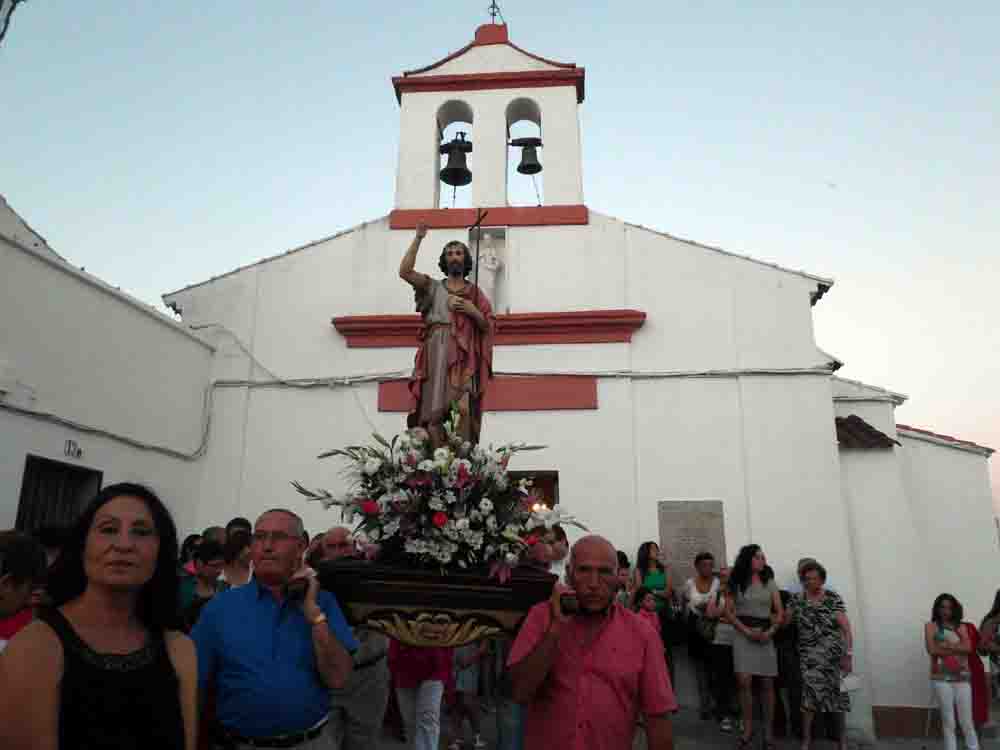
<point x="449" y="507"/>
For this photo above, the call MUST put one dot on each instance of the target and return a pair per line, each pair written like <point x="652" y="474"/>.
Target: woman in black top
<point x="103" y="668"/>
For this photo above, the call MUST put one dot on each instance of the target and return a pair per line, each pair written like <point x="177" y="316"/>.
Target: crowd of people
<point x="113" y="635"/>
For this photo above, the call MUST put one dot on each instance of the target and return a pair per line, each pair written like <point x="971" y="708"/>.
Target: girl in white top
<point x="948" y="645"/>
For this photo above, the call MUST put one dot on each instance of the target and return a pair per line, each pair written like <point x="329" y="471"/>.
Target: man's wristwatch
<point x="318" y="619"/>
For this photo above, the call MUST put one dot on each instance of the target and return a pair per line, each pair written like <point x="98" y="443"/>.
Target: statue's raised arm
<point x="406" y="266"/>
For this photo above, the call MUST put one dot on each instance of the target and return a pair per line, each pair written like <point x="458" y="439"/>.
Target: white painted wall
<point x="706" y="313"/>
<point x="893" y="583"/>
<point x="949" y="496"/>
<point x="76" y="348"/>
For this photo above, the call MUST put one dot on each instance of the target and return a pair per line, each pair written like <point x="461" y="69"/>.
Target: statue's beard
<point x="456" y="270"/>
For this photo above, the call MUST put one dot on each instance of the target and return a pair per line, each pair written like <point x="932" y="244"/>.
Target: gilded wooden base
<point x="428" y="608"/>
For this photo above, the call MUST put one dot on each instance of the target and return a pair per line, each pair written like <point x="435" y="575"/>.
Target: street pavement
<point x="690" y="733"/>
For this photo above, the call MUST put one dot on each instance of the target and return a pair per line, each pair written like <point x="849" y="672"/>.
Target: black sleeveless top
<point x="116" y="701"/>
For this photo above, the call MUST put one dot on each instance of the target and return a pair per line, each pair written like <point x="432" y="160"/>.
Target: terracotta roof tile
<point x="946" y="438"/>
<point x="854" y="433"/>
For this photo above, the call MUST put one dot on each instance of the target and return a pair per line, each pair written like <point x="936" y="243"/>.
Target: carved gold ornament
<point x="433" y="628"/>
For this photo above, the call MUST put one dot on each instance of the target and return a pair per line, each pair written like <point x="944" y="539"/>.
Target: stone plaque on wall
<point x="688" y="527"/>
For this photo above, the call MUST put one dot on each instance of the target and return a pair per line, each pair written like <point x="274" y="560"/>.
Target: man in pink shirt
<point x="585" y="677"/>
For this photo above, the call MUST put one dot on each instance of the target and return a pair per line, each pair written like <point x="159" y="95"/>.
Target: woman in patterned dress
<point x="825" y="647"/>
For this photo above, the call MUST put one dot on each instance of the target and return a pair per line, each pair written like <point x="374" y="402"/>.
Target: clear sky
<point x="158" y="144"/>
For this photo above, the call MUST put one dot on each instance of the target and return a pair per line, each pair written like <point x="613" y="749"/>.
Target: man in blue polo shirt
<point x="271" y="657"/>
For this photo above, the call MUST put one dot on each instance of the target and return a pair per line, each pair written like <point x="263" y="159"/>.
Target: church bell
<point x="529" y="155"/>
<point x="456" y="172"/>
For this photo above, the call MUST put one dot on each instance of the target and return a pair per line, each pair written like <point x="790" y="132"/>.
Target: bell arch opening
<point x="454" y="125"/>
<point x="525" y="185"/>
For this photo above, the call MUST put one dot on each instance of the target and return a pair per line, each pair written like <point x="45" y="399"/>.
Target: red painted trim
<point x="485" y="35"/>
<point x="506" y="393"/>
<point x="940" y="436"/>
<point x="578" y="327"/>
<point x="500" y="216"/>
<point x="491" y="33"/>
<point x="517" y="329"/>
<point x="439" y="63"/>
<point x="541" y="59"/>
<point x="526" y="79"/>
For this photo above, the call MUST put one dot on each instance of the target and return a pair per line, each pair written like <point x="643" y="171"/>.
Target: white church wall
<point x="565" y="268"/>
<point x="565" y="358"/>
<point x="689" y="448"/>
<point x="890" y="558"/>
<point x="795" y="505"/>
<point x="79" y="357"/>
<point x="951" y="502"/>
<point x="99" y="359"/>
<point x="286" y="429"/>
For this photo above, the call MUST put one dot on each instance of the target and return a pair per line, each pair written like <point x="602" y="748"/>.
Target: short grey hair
<point x="300" y="527"/>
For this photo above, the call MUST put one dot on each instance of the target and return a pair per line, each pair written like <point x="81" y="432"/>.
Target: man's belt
<point x="231" y="739"/>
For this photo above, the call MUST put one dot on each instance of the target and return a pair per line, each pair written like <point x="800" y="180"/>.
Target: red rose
<point x="369" y="507"/>
<point x="531" y="540"/>
<point x="439" y="519"/>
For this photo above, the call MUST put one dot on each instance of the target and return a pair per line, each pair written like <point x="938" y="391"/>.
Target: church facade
<point x="679" y="387"/>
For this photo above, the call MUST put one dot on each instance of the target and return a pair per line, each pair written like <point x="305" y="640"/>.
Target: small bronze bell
<point x="529" y="155"/>
<point x="456" y="173"/>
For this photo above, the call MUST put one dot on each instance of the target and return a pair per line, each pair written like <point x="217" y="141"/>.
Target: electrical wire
<point x="350" y="381"/>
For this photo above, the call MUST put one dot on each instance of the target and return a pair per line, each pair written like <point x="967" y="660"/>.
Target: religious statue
<point x="454" y="361"/>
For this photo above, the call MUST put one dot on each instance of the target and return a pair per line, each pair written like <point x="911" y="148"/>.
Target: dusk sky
<point x="158" y="144"/>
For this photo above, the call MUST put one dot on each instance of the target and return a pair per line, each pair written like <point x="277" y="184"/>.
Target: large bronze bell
<point x="456" y="172"/>
<point x="529" y="155"/>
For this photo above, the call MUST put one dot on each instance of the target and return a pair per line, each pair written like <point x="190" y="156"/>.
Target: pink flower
<point x="369" y="507"/>
<point x="462" y="478"/>
<point x="439" y="519"/>
<point x="420" y="479"/>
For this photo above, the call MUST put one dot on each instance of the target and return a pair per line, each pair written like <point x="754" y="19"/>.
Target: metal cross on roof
<point x="494" y="11"/>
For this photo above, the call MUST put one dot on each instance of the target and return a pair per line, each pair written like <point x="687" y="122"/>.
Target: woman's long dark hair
<point x="994" y="610"/>
<point x="741" y="574"/>
<point x="957" y="613"/>
<point x="643" y="558"/>
<point x="156" y="607"/>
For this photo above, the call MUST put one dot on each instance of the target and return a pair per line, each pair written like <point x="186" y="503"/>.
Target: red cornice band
<point x="501" y="216"/>
<point x="581" y="327"/>
<point x="525" y="79"/>
<point x="506" y="393"/>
